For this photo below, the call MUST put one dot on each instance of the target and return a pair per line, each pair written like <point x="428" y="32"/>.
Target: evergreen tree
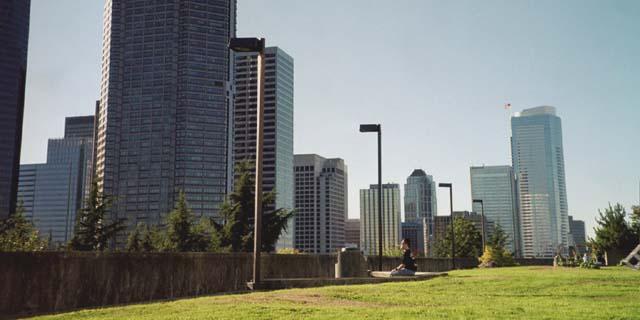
<point x="180" y="226"/>
<point x="468" y="240"/>
<point x="142" y="239"/>
<point x="613" y="233"/>
<point x="93" y="231"/>
<point x="498" y="239"/>
<point x="235" y="231"/>
<point x="18" y="234"/>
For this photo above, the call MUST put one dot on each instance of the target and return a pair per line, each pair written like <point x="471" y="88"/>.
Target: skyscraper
<point x="415" y="232"/>
<point x="420" y="204"/>
<point x="163" y="121"/>
<point x="14" y="38"/>
<point x="496" y="187"/>
<point x="391" y="232"/>
<point x="419" y="197"/>
<point x="52" y="192"/>
<point x="538" y="164"/>
<point x="320" y="203"/>
<point x="578" y="234"/>
<point x="352" y="233"/>
<point x="278" y="125"/>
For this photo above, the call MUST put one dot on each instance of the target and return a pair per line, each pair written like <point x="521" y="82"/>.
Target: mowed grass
<point x="501" y="293"/>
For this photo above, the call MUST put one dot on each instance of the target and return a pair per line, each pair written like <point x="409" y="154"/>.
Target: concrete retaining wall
<point x="55" y="281"/>
<point x="46" y="282"/>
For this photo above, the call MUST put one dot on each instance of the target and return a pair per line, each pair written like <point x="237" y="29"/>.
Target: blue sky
<point x="436" y="74"/>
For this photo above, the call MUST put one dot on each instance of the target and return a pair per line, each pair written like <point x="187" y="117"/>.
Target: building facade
<point x="415" y="232"/>
<point x="14" y="38"/>
<point x="51" y="193"/>
<point x="278" y="126"/>
<point x="578" y="235"/>
<point x="165" y="105"/>
<point x="496" y="187"/>
<point x="420" y="204"/>
<point x="538" y="164"/>
<point x="320" y="202"/>
<point x="352" y="233"/>
<point x="391" y="232"/>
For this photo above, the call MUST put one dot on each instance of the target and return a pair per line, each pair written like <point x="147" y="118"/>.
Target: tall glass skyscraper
<point x="278" y="125"/>
<point x="420" y="204"/>
<point x="391" y="231"/>
<point x="14" y="38"/>
<point x="496" y="187"/>
<point x="538" y="164"/>
<point x="163" y="121"/>
<point x="52" y="192"/>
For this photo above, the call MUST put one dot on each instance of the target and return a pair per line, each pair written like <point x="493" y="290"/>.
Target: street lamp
<point x="482" y="221"/>
<point x="453" y="236"/>
<point x="256" y="45"/>
<point x="377" y="128"/>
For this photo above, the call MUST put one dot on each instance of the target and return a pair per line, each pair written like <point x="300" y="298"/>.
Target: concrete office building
<point x="14" y="38"/>
<point x="165" y="105"/>
<point x="496" y="187"/>
<point x="320" y="203"/>
<point x="352" y="233"/>
<point x="538" y="164"/>
<point x="278" y="126"/>
<point x="391" y="232"/>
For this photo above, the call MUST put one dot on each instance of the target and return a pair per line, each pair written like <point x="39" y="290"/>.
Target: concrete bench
<point x="418" y="275"/>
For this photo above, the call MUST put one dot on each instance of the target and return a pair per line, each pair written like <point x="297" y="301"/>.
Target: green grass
<point x="507" y="293"/>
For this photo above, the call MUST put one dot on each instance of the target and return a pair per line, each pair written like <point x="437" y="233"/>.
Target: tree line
<point x="181" y="231"/>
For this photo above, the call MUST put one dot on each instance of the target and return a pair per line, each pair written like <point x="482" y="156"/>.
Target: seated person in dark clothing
<point x="408" y="266"/>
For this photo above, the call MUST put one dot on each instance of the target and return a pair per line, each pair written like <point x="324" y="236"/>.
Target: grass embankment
<point x="508" y="293"/>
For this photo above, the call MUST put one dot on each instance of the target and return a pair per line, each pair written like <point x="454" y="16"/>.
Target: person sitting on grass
<point x="408" y="266"/>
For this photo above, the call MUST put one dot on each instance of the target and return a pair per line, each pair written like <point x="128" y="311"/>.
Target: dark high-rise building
<point x="163" y="121"/>
<point x="14" y="38"/>
<point x="52" y="192"/>
<point x="79" y="127"/>
<point x="415" y="231"/>
<point x="578" y="234"/>
<point x="278" y="125"/>
<point x="352" y="233"/>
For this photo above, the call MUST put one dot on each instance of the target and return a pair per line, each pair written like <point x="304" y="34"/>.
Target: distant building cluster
<point x="177" y="113"/>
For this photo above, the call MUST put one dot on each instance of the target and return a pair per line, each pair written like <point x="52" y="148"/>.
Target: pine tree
<point x="498" y="239"/>
<point x="235" y="231"/>
<point x="93" y="231"/>
<point x="18" y="234"/>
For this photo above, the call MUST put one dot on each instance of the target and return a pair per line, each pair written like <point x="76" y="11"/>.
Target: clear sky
<point x="436" y="74"/>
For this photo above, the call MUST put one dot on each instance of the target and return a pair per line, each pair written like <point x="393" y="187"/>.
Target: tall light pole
<point x="256" y="45"/>
<point x="482" y="221"/>
<point x="377" y="128"/>
<point x="453" y="235"/>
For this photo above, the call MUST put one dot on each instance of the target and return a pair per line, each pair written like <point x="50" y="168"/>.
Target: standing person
<point x="408" y="266"/>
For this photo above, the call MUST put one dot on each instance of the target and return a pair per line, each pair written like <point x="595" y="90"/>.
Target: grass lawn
<point x="507" y="293"/>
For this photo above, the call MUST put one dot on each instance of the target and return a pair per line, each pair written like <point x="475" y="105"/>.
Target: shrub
<point x="496" y="258"/>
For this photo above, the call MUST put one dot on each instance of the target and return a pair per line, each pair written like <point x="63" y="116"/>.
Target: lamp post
<point x="377" y="128"/>
<point x="482" y="221"/>
<point x="256" y="45"/>
<point x="453" y="236"/>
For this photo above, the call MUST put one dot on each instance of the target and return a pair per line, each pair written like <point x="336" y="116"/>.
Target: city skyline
<point x="584" y="101"/>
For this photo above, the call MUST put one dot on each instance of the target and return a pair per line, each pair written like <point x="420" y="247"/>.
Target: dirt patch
<point x="297" y="297"/>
